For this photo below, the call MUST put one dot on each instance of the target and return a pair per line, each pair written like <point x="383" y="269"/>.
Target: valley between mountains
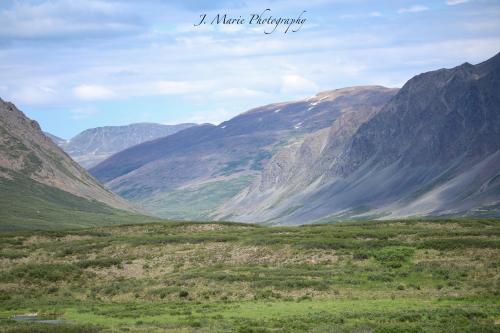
<point x="103" y="249"/>
<point x="429" y="149"/>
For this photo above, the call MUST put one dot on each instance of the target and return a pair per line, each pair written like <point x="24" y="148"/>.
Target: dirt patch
<point x="133" y="270"/>
<point x="36" y="240"/>
<point x="206" y="227"/>
<point x="71" y="238"/>
<point x="440" y="226"/>
<point x="8" y="286"/>
<point x="232" y="254"/>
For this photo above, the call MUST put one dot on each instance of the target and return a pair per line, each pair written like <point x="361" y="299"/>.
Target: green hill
<point x="26" y="204"/>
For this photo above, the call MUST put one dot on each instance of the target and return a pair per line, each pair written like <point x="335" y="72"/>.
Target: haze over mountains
<point x="94" y="145"/>
<point x="430" y="149"/>
<point x="189" y="174"/>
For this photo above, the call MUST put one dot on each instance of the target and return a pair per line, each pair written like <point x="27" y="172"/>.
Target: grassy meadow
<point x="394" y="276"/>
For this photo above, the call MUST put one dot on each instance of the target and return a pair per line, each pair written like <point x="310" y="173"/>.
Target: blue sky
<point x="76" y="64"/>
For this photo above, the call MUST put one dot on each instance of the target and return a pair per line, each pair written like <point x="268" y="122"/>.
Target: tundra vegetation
<point x="389" y="276"/>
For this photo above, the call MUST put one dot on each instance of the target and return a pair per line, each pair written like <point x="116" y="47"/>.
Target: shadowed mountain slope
<point x="432" y="150"/>
<point x="225" y="157"/>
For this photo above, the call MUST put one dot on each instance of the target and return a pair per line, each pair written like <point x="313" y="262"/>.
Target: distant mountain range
<point x="57" y="140"/>
<point x="41" y="187"/>
<point x="429" y="149"/>
<point x="94" y="145"/>
<point x="189" y="174"/>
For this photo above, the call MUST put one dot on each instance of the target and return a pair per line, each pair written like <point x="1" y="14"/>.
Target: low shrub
<point x="100" y="263"/>
<point x="45" y="272"/>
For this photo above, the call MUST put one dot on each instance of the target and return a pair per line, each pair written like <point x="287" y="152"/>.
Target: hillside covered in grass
<point x="395" y="276"/>
<point x="29" y="205"/>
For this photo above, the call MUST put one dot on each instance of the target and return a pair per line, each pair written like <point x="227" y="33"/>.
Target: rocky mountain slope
<point x="57" y="140"/>
<point x="190" y="173"/>
<point x="432" y="150"/>
<point x="94" y="145"/>
<point x="34" y="169"/>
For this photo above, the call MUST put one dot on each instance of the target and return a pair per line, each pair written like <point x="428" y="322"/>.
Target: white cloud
<point x="118" y="90"/>
<point x="230" y="28"/>
<point x="34" y="95"/>
<point x="455" y="2"/>
<point x="413" y="9"/>
<point x="190" y="27"/>
<point x="93" y="92"/>
<point x="238" y="93"/>
<point x="216" y="116"/>
<point x="176" y="87"/>
<point x="194" y="68"/>
<point x="296" y="84"/>
<point x="67" y="18"/>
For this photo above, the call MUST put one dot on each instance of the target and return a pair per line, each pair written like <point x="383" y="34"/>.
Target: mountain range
<point x="94" y="145"/>
<point x="428" y="149"/>
<point x="432" y="150"/>
<point x="189" y="174"/>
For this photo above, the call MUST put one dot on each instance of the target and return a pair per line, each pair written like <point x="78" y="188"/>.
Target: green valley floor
<point x="393" y="276"/>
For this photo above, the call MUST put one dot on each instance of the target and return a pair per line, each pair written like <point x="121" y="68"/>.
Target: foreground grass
<point x="398" y="276"/>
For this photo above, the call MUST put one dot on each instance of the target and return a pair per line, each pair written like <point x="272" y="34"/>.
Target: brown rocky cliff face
<point x="25" y="150"/>
<point x="433" y="149"/>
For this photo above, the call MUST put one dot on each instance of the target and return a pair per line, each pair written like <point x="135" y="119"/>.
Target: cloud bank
<point x="73" y="64"/>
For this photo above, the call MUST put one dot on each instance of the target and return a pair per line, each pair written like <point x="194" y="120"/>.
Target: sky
<point x="78" y="64"/>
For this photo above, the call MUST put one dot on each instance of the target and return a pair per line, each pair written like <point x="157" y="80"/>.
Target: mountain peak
<point x="94" y="145"/>
<point x="436" y="138"/>
<point x="489" y="65"/>
<point x="495" y="58"/>
<point x="333" y="94"/>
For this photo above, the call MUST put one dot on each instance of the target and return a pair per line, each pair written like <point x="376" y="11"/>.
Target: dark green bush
<point x="13" y="254"/>
<point x="18" y="327"/>
<point x="394" y="256"/>
<point x="45" y="272"/>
